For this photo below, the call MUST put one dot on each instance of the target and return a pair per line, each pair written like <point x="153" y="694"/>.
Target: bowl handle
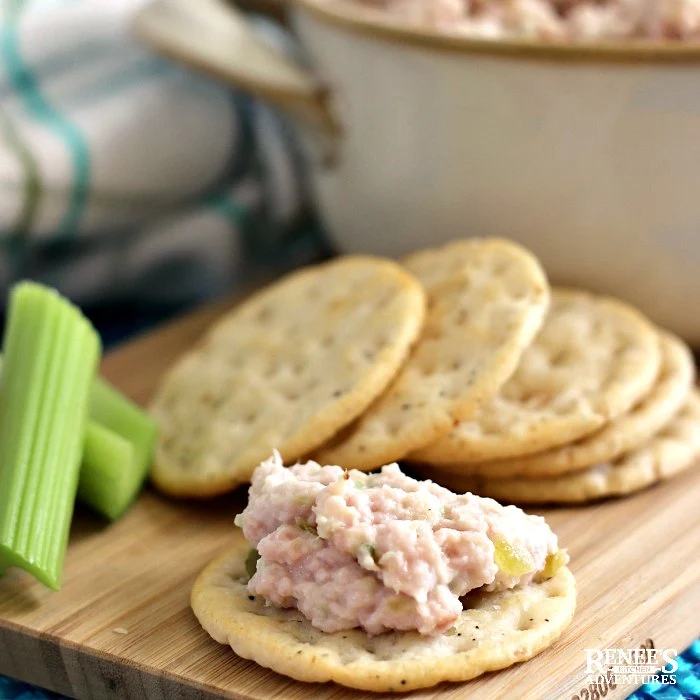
<point x="216" y="38"/>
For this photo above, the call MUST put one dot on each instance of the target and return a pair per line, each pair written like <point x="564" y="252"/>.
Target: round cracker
<point x="284" y="370"/>
<point x="486" y="301"/>
<point x="592" y="361"/>
<point x="625" y="433"/>
<point x="675" y="448"/>
<point x="496" y="631"/>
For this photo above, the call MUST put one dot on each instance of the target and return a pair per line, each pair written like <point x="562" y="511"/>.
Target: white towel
<point x="125" y="175"/>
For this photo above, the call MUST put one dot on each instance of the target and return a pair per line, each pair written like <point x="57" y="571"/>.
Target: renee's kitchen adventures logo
<point x="606" y="669"/>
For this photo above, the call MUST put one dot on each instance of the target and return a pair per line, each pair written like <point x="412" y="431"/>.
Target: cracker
<point x="286" y="369"/>
<point x="486" y="301"/>
<point x="625" y="433"/>
<point x="496" y="631"/>
<point x="675" y="448"/>
<point x="592" y="361"/>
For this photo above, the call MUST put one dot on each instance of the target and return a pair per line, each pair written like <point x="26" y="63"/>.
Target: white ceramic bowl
<point x="588" y="155"/>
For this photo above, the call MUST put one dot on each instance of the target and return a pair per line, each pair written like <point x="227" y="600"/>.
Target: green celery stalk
<point x="107" y="475"/>
<point x="120" y="456"/>
<point x="109" y="479"/>
<point x="50" y="356"/>
<point x="104" y="483"/>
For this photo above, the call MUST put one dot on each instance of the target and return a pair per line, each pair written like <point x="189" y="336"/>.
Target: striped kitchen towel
<point x="124" y="176"/>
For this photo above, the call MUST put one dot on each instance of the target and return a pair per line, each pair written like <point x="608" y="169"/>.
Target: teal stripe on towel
<point x="235" y="213"/>
<point x="27" y="87"/>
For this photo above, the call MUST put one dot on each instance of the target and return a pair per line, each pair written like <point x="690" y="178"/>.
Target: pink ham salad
<point x="383" y="551"/>
<point x="558" y="20"/>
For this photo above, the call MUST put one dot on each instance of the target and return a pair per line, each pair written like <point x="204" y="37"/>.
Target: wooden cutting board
<point x="121" y="626"/>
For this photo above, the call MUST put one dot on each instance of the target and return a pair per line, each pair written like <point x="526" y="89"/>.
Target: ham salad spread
<point x="563" y="20"/>
<point x="384" y="551"/>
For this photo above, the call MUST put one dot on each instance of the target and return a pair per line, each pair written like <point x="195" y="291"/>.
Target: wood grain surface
<point x="121" y="626"/>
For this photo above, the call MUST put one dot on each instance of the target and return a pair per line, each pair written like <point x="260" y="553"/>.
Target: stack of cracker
<point x="460" y="360"/>
<point x="602" y="404"/>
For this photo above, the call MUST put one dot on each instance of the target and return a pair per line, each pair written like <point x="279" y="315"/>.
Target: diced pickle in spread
<point x="383" y="551"/>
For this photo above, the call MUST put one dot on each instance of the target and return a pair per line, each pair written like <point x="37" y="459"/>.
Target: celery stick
<point x="113" y="410"/>
<point x="50" y="355"/>
<point x="120" y="455"/>
<point x="104" y="457"/>
<point x="107" y="474"/>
